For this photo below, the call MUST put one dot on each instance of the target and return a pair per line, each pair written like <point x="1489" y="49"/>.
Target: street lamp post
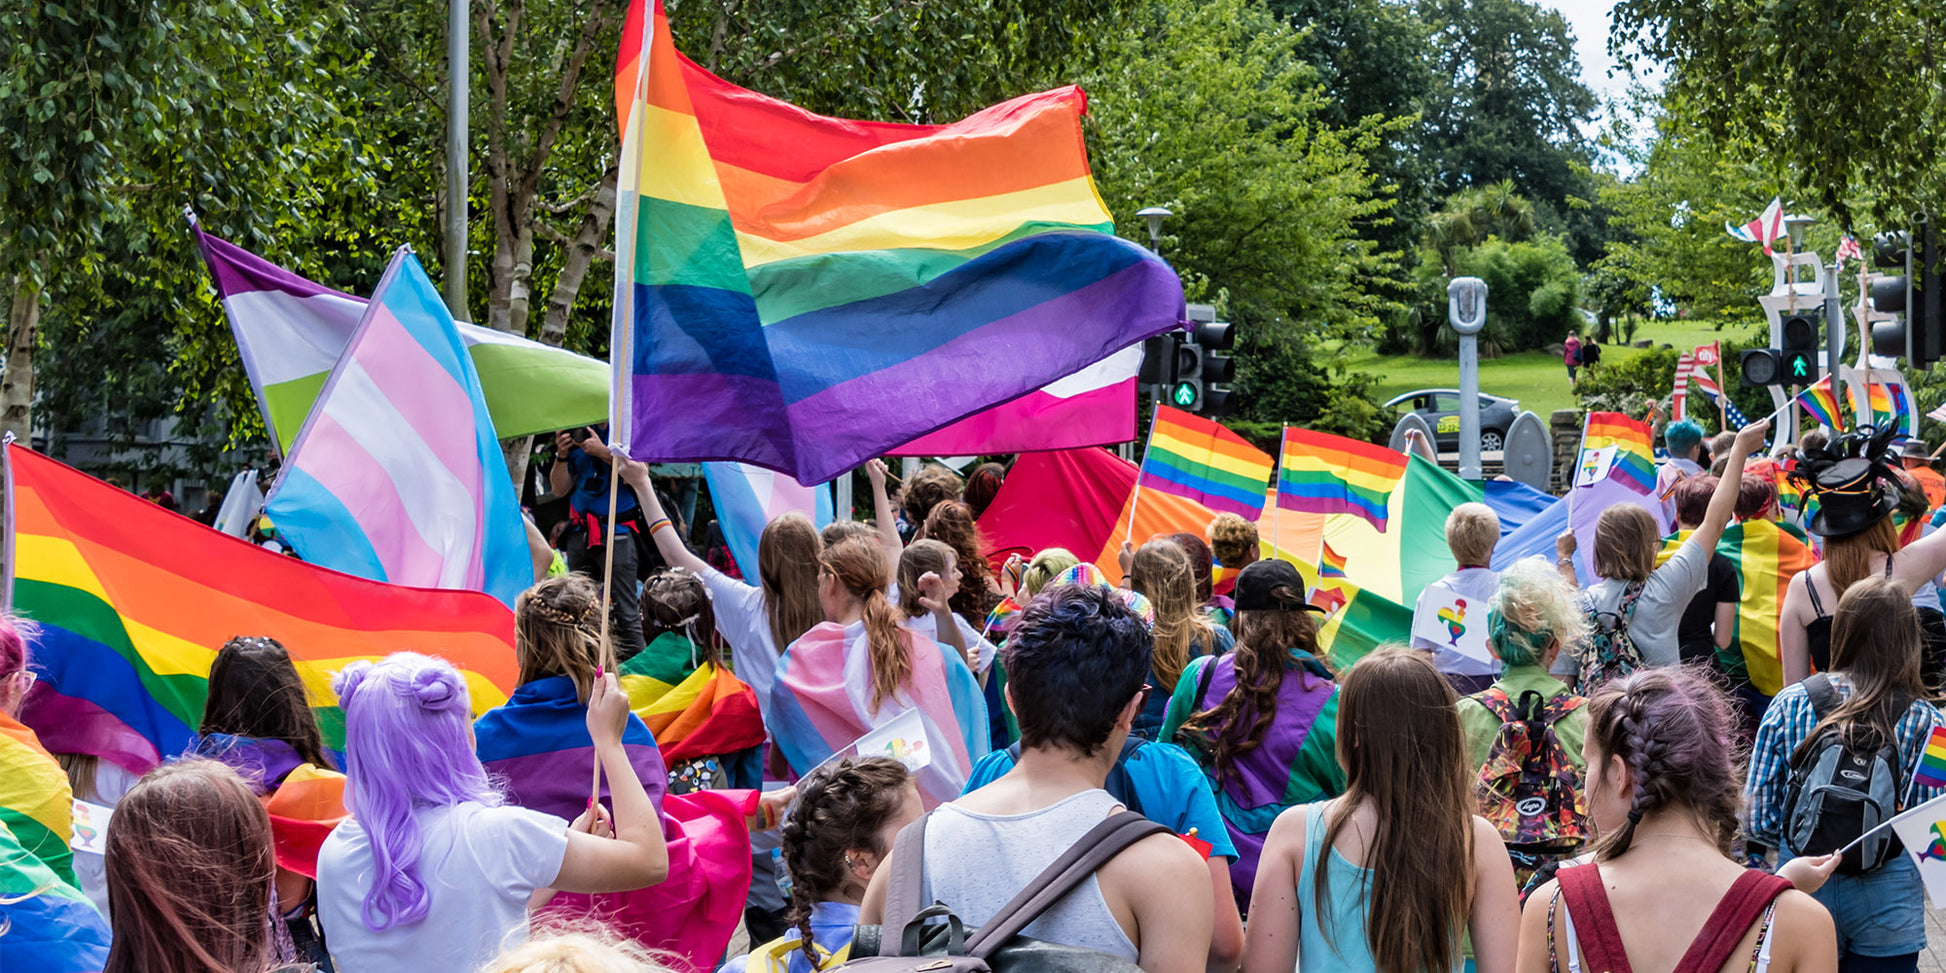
<point x="1154" y="216"/>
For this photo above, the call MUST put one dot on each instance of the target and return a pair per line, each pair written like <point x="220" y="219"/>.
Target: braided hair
<point x="842" y="806"/>
<point x="676" y="602"/>
<point x="557" y="630"/>
<point x="1668" y="725"/>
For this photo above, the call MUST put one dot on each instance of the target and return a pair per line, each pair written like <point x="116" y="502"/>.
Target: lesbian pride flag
<point x="397" y="475"/>
<point x="802" y="293"/>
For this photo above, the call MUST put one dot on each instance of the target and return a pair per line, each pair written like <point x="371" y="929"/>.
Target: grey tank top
<point x="976" y="862"/>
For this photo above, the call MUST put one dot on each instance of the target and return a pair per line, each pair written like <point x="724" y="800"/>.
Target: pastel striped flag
<point x="1322" y="473"/>
<point x="748" y="497"/>
<point x="397" y="475"/>
<point x="1197" y="459"/>
<point x="290" y="331"/>
<point x="133" y="601"/>
<point x="803" y="293"/>
<point x="1932" y="763"/>
<point x="1634" y="462"/>
<point x="1821" y="403"/>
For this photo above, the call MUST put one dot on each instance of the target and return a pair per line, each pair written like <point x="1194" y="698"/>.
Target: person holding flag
<point x="1866" y="717"/>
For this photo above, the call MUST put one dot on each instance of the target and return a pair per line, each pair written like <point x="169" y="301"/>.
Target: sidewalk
<point x="1933" y="960"/>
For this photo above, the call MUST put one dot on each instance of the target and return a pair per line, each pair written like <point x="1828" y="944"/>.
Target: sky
<point x="1589" y="21"/>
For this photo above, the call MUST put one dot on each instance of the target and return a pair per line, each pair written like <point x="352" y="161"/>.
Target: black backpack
<point x="1837" y="793"/>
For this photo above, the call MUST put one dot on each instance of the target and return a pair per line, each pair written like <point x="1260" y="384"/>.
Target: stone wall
<point x="1565" y="426"/>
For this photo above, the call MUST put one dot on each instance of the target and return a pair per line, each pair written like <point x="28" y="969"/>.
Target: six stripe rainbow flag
<point x="1820" y="402"/>
<point x="808" y="292"/>
<point x="1634" y="462"/>
<point x="1891" y="403"/>
<point x="1322" y="473"/>
<point x="1195" y="458"/>
<point x="133" y="601"/>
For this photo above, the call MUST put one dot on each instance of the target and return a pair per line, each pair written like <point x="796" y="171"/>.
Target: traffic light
<point x="1185" y="389"/>
<point x="1918" y="292"/>
<point x="1761" y="367"/>
<point x="1215" y="368"/>
<point x="1798" y="358"/>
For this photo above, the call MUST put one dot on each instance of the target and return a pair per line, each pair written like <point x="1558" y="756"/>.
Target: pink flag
<point x="1093" y="407"/>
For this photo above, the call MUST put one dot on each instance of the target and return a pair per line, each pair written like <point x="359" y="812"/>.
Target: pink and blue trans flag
<point x="748" y="497"/>
<point x="397" y="474"/>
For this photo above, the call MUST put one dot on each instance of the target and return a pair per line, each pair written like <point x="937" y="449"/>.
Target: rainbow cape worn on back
<point x="1767" y="555"/>
<point x="46" y="924"/>
<point x="1327" y="474"/>
<point x="133" y="602"/>
<point x="1634" y="462"/>
<point x="807" y="292"/>
<point x="1198" y="459"/>
<point x="693" y="710"/>
<point x="822" y="703"/>
<point x="538" y="744"/>
<point x="36" y="803"/>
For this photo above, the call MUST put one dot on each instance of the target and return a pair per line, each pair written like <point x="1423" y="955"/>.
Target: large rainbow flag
<point x="694" y="707"/>
<point x="133" y="602"/>
<point x="808" y="292"/>
<point x="1196" y="458"/>
<point x="1767" y="555"/>
<point x="46" y="924"/>
<point x="1322" y="473"/>
<point x="1634" y="462"/>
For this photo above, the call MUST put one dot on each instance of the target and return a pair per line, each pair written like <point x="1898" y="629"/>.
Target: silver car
<point x="1440" y="409"/>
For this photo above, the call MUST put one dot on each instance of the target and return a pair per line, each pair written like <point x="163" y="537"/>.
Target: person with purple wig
<point x="436" y="872"/>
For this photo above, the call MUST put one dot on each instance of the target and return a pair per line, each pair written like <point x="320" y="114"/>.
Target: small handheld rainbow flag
<point x="1821" y="403"/>
<point x="1330" y="474"/>
<point x="1634" y="462"/>
<point x="1194" y="458"/>
<point x="1932" y="763"/>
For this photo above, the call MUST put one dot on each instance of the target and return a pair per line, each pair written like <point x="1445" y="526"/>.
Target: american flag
<point x="1678" y="403"/>
<point x="1708" y="388"/>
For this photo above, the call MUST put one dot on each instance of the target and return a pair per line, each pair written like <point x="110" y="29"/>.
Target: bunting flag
<point x="36" y="803"/>
<point x="1197" y="459"/>
<point x="1678" y="409"/>
<point x="1093" y="407"/>
<point x="133" y="601"/>
<point x="290" y="331"/>
<point x="1634" y="460"/>
<point x="748" y="497"/>
<point x="695" y="708"/>
<point x="1820" y="402"/>
<point x="1766" y="227"/>
<point x="1322" y="473"/>
<point x="809" y="292"/>
<point x="397" y="475"/>
<point x="46" y="924"/>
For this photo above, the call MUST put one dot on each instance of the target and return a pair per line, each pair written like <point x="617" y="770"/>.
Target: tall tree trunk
<point x="17" y="387"/>
<point x="582" y="250"/>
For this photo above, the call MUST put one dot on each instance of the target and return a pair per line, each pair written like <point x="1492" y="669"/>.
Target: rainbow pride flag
<point x="1634" y="462"/>
<point x="1932" y="763"/>
<point x="808" y="292"/>
<point x="1892" y="403"/>
<point x="695" y="708"/>
<point x="1198" y="459"/>
<point x="133" y="602"/>
<point x="1821" y="403"/>
<point x="1322" y="473"/>
<point x="48" y="925"/>
<point x="1766" y="554"/>
<point x="36" y="803"/>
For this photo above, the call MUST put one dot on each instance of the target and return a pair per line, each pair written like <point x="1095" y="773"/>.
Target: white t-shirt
<point x="1475" y="583"/>
<point x="479" y="865"/>
<point x="979" y="649"/>
<point x="1657" y="611"/>
<point x="742" y="621"/>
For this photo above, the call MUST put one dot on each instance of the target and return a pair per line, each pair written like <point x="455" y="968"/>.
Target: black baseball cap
<point x="1257" y="584"/>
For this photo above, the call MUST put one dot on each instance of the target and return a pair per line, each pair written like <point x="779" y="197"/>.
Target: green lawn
<point x="1539" y="380"/>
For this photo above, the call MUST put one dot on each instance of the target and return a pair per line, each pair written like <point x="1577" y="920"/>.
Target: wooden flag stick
<point x="605" y="659"/>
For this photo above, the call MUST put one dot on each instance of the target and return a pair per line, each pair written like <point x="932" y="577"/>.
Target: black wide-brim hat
<point x="1853" y="494"/>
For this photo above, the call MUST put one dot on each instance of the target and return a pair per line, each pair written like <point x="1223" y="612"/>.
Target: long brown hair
<point x="255" y="691"/>
<point x="1162" y="573"/>
<point x="675" y="602"/>
<point x="919" y="557"/>
<point x="1848" y="559"/>
<point x="1626" y="542"/>
<point x="787" y="567"/>
<point x="1265" y="641"/>
<point x="1399" y="741"/>
<point x="557" y="631"/>
<point x="1875" y="643"/>
<point x="951" y="523"/>
<point x="860" y="568"/>
<point x="840" y="807"/>
<point x="1669" y="726"/>
<point x="190" y="870"/>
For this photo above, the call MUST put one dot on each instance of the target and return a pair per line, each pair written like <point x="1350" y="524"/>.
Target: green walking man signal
<point x="1184" y="395"/>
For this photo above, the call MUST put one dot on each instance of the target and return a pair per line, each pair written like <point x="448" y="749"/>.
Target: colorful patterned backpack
<point x="1529" y="789"/>
<point x="1610" y="652"/>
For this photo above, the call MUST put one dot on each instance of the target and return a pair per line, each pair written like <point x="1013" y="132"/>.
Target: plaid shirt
<point x="1786" y="725"/>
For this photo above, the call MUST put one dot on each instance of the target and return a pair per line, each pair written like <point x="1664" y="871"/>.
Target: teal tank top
<point x="1348" y="949"/>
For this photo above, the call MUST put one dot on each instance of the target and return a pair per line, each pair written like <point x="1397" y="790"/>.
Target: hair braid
<point x="1667" y="726"/>
<point x="839" y="807"/>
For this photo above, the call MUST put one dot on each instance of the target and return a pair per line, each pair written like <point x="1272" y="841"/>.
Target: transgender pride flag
<point x="748" y="497"/>
<point x="397" y="475"/>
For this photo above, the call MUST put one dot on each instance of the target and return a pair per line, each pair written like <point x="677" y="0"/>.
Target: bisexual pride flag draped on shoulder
<point x="290" y="332"/>
<point x="1197" y="459"/>
<point x="133" y="601"/>
<point x="804" y="293"/>
<point x="397" y="475"/>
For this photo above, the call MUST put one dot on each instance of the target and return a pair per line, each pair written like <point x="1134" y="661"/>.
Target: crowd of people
<point x="1186" y="772"/>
